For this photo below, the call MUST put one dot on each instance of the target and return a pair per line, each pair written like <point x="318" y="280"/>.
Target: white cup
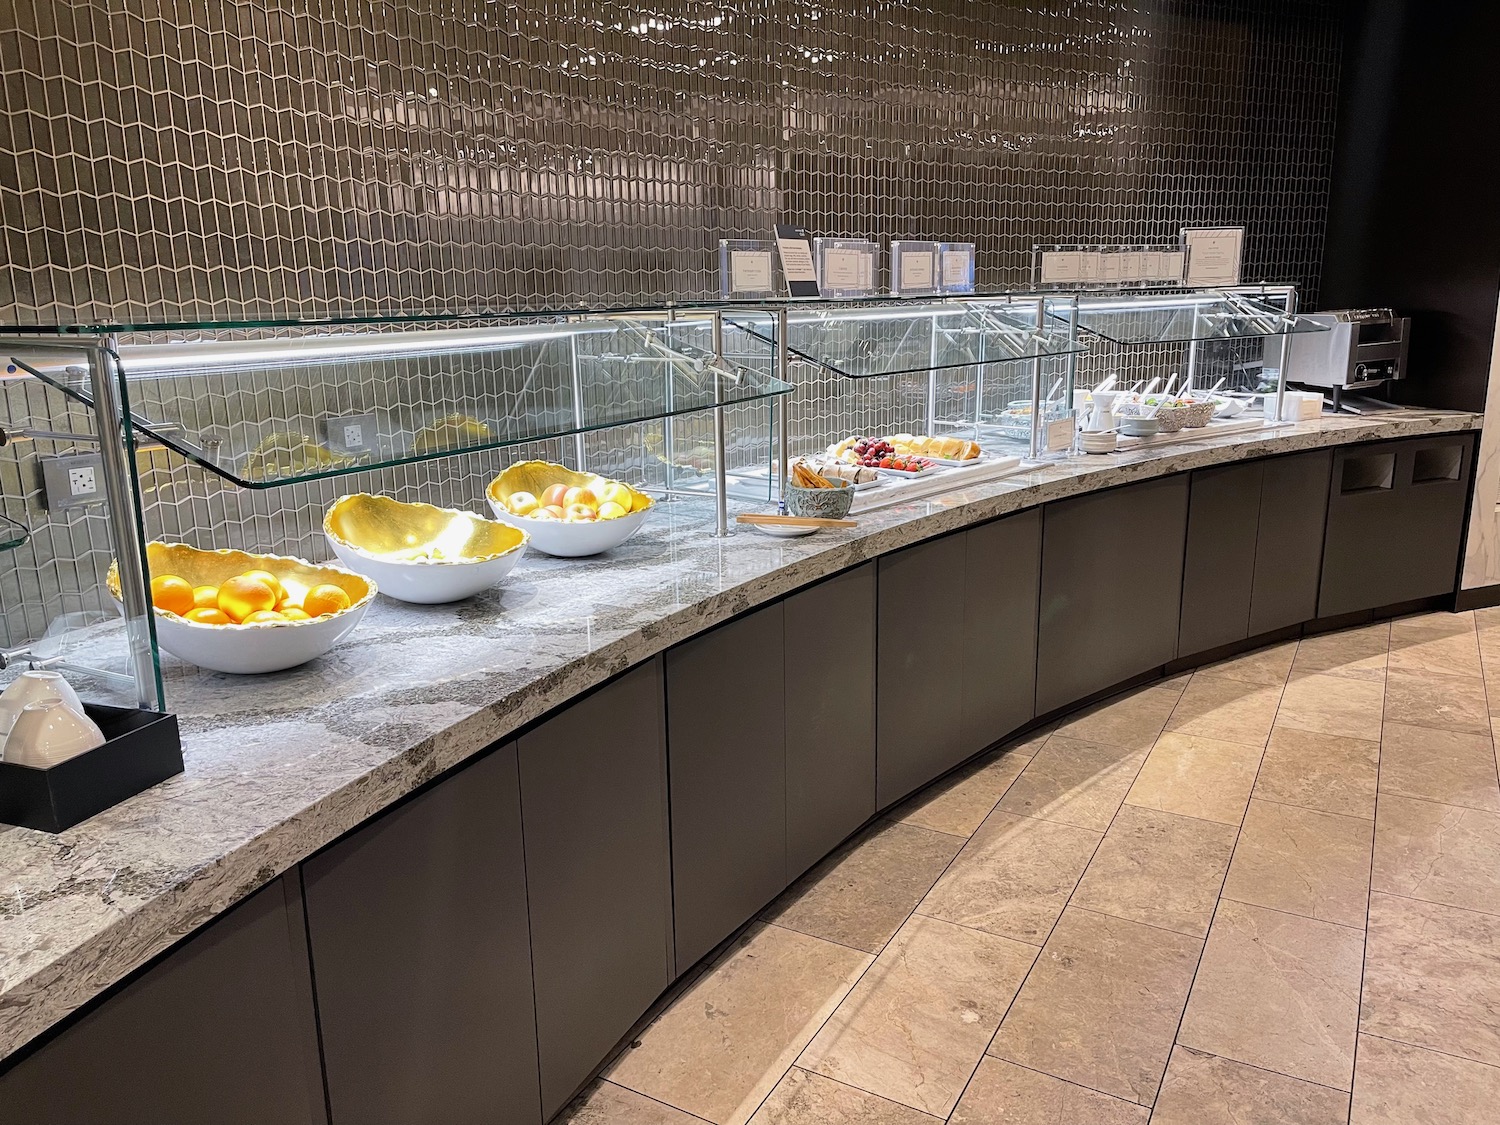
<point x="31" y="687"/>
<point x="48" y="732"/>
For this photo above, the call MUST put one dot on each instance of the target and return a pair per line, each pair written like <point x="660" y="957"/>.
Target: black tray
<point x="142" y="749"/>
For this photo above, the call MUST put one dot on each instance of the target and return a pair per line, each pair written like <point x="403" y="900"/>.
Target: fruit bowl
<point x="249" y="649"/>
<point x="526" y="485"/>
<point x="420" y="553"/>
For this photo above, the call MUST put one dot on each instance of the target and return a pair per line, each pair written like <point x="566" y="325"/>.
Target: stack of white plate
<point x="1093" y="442"/>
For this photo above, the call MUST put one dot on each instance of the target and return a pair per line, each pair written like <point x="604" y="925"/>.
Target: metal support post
<point x="721" y="475"/>
<point x="577" y="404"/>
<point x="1036" y="386"/>
<point x="783" y="407"/>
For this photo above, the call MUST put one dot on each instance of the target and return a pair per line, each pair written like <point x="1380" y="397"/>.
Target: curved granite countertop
<point x="280" y="765"/>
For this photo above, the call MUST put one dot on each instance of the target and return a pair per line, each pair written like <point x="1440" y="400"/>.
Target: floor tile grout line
<point x="1304" y="917"/>
<point x="1432" y="1050"/>
<point x="1060" y="1078"/>
<point x="656" y="1100"/>
<point x="1068" y="902"/>
<point x="1219" y="899"/>
<point x="1364" y="959"/>
<point x="1370" y="820"/>
<point x="876" y="957"/>
<point x="1445" y="804"/>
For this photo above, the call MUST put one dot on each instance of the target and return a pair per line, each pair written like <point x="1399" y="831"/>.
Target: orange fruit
<point x="242" y="595"/>
<point x="208" y="615"/>
<point x="205" y="597"/>
<point x="325" y="599"/>
<point x="173" y="594"/>
<point x="294" y="613"/>
<point x="270" y="580"/>
<point x="263" y="617"/>
<point x="286" y="603"/>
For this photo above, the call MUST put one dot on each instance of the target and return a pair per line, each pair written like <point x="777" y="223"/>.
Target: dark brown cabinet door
<point x="422" y="959"/>
<point x="222" y="1030"/>
<point x="1111" y="588"/>
<point x="598" y="873"/>
<point x="726" y="744"/>
<point x="830" y="714"/>
<point x="1219" y="566"/>
<point x="1289" y="547"/>
<point x="1002" y="570"/>
<point x="919" y="695"/>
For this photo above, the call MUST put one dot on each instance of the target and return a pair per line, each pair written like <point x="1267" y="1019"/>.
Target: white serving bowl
<point x="251" y="649"/>
<point x="556" y="537"/>
<point x="49" y="732"/>
<point x="573" y="540"/>
<point x="32" y="686"/>
<point x="369" y="533"/>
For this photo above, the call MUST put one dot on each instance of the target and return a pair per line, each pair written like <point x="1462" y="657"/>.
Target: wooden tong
<point x="792" y="521"/>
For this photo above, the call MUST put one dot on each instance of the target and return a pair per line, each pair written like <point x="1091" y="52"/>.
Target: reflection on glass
<point x="1179" y="317"/>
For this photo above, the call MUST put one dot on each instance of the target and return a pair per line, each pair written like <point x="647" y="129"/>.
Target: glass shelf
<point x="12" y="534"/>
<point x="865" y="343"/>
<point x="1180" y="317"/>
<point x="269" y="411"/>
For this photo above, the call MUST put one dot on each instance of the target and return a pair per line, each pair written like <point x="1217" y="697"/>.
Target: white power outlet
<point x="81" y="481"/>
<point x="352" y="433"/>
<point x="354" y="436"/>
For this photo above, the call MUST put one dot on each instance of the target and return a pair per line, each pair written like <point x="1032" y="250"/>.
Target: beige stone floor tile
<point x="1355" y="653"/>
<point x="1278" y="991"/>
<point x="1003" y="1093"/>
<point x="914" y="1029"/>
<point x="1319" y="771"/>
<point x="1454" y="767"/>
<point x="1158" y="868"/>
<point x="1445" y="650"/>
<point x="721" y="1047"/>
<point x="1228" y="710"/>
<point x="1197" y="776"/>
<point x="1439" y="623"/>
<point x="604" y="1103"/>
<point x="959" y="803"/>
<point x="860" y="895"/>
<point x="1396" y="1084"/>
<point x="1270" y="665"/>
<point x="1449" y="703"/>
<point x="1304" y="862"/>
<point x="1074" y="782"/>
<point x="1432" y="977"/>
<point x="1337" y="705"/>
<point x="805" y="1098"/>
<point x="1202" y="1089"/>
<point x="1014" y="877"/>
<point x="1102" y="1004"/>
<point x="1438" y="853"/>
<point x="1132" y="719"/>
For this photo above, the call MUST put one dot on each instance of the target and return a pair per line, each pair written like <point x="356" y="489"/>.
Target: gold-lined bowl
<point x="418" y="552"/>
<point x="249" y="649"/>
<point x="555" y="537"/>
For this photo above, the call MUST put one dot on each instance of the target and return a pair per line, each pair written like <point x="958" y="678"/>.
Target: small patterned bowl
<point x="820" y="503"/>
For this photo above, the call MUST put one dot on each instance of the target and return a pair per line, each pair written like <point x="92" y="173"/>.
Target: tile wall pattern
<point x="174" y="161"/>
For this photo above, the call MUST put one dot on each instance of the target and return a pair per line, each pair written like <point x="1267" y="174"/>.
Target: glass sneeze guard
<point x="1138" y="319"/>
<point x="265" y="412"/>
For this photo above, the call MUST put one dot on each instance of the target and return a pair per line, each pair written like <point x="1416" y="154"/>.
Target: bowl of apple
<point x="567" y="513"/>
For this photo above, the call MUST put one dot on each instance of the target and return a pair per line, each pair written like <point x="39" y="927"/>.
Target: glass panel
<point x="1180" y="318"/>
<point x="12" y="534"/>
<point x="866" y="343"/>
<point x="270" y="410"/>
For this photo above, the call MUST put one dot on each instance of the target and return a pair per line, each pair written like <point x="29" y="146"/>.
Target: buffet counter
<point x="279" y="766"/>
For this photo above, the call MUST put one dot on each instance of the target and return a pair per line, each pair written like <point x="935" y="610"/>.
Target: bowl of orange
<point x="230" y="611"/>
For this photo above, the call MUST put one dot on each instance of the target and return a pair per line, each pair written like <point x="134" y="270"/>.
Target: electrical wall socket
<point x="74" y="480"/>
<point x="353" y="433"/>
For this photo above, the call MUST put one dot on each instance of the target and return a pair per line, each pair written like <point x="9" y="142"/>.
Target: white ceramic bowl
<point x="573" y="540"/>
<point x="354" y="524"/>
<point x="251" y="649"/>
<point x="33" y="686"/>
<point x="47" y="732"/>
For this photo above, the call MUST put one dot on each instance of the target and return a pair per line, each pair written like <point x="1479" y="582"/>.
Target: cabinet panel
<point x="726" y="741"/>
<point x="1219" y="564"/>
<point x="830" y="714"/>
<point x="919" y="698"/>
<point x="1002" y="571"/>
<point x="422" y="959"/>
<point x="1289" y="548"/>
<point x="1395" y="523"/>
<point x="598" y="873"/>
<point x="1111" y="588"/>
<point x="222" y="1029"/>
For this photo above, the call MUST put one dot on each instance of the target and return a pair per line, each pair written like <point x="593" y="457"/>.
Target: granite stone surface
<point x="282" y="764"/>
